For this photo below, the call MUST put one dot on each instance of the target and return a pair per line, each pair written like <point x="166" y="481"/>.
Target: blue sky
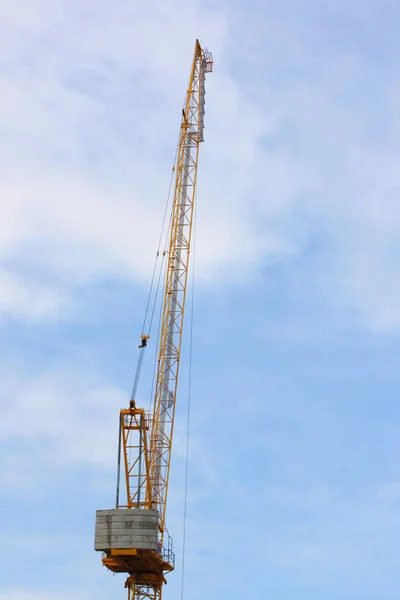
<point x="294" y="479"/>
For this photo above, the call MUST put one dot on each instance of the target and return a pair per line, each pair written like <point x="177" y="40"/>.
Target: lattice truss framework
<point x="147" y="439"/>
<point x="142" y="592"/>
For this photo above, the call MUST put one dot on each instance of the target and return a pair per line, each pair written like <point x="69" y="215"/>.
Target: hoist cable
<point x="160" y="238"/>
<point x="138" y="371"/>
<point x="159" y="277"/>
<point x="153" y="379"/>
<point x="143" y="346"/>
<point x="189" y="406"/>
<point x="140" y="358"/>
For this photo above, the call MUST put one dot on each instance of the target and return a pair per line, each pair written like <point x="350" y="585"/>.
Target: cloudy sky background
<point x="294" y="485"/>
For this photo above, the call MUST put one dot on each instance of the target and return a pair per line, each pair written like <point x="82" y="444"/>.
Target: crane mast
<point x="133" y="537"/>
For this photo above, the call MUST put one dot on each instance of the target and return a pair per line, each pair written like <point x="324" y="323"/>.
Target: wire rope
<point x="189" y="407"/>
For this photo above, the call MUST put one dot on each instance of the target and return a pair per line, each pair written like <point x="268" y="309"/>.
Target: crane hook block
<point x="144" y="339"/>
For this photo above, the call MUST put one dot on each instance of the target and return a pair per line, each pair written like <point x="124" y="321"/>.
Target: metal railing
<point x="167" y="553"/>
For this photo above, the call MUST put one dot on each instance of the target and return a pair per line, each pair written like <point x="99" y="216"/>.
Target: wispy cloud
<point x="298" y="140"/>
<point x="293" y="463"/>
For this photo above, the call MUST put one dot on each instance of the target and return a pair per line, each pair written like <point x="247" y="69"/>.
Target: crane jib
<point x="133" y="536"/>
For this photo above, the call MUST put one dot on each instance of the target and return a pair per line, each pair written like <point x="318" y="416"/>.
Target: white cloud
<point x="90" y="112"/>
<point x="68" y="419"/>
<point x="65" y="419"/>
<point x="84" y="198"/>
<point x="27" y="301"/>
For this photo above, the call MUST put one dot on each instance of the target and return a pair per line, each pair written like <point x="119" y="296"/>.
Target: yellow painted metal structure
<point x="146" y="439"/>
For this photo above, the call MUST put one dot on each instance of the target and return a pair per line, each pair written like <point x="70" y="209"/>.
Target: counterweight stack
<point x="133" y="536"/>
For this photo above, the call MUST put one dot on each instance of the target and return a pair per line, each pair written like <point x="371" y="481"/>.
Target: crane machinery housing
<point x="133" y="537"/>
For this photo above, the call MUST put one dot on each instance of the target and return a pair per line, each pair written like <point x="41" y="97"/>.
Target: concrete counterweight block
<point x="126" y="528"/>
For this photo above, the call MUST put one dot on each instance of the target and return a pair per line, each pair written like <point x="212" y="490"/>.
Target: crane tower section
<point x="133" y="537"/>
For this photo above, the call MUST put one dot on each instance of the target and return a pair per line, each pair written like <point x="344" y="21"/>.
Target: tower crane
<point x="133" y="536"/>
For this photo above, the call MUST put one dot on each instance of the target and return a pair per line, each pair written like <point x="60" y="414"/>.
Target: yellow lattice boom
<point x="133" y="536"/>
